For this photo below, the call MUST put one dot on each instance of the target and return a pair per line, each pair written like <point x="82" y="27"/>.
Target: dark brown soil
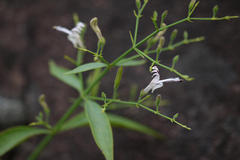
<point x="209" y="104"/>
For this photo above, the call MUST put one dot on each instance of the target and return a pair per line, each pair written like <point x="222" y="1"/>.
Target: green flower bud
<point x="163" y="16"/>
<point x="191" y="5"/>
<point x="145" y="1"/>
<point x="173" y="36"/>
<point x="215" y="10"/>
<point x="155" y="15"/>
<point x="138" y="4"/>
<point x="161" y="43"/>
<point x="174" y="61"/>
<point x="154" y="19"/>
<point x="185" y="35"/>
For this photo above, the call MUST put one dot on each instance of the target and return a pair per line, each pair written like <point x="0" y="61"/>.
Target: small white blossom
<point x="156" y="82"/>
<point x="74" y="34"/>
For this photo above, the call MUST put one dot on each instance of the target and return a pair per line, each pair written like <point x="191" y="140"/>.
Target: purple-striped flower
<point x="156" y="82"/>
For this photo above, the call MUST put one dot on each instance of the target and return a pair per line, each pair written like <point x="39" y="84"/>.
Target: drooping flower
<point x="74" y="35"/>
<point x="156" y="82"/>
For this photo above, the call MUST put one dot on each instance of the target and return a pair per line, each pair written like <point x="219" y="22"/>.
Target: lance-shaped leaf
<point x="80" y="120"/>
<point x="118" y="121"/>
<point x="13" y="136"/>
<point x="100" y="127"/>
<point x="87" y="67"/>
<point x="70" y="80"/>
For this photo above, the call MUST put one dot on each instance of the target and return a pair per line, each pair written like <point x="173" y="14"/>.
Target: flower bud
<point x="174" y="61"/>
<point x="94" y="26"/>
<point x="185" y="35"/>
<point x="161" y="33"/>
<point x="138" y="4"/>
<point x="161" y="43"/>
<point x="155" y="15"/>
<point x="163" y="16"/>
<point x="154" y="19"/>
<point x="173" y="36"/>
<point x="145" y="1"/>
<point x="191" y="5"/>
<point x="215" y="10"/>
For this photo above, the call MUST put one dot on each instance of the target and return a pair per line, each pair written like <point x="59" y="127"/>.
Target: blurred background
<point x="209" y="104"/>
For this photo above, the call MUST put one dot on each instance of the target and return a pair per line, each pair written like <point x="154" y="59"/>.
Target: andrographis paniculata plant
<point x="97" y="106"/>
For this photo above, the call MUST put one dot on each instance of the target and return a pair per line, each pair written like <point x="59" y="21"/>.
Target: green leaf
<point x="70" y="80"/>
<point x="13" y="136"/>
<point x="87" y="67"/>
<point x="80" y="120"/>
<point x="100" y="127"/>
<point x="119" y="121"/>
<point x="126" y="62"/>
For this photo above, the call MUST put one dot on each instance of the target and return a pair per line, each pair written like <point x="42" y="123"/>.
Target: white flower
<point x="156" y="82"/>
<point x="74" y="34"/>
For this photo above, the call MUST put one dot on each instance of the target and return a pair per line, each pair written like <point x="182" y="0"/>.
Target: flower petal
<point x="159" y="85"/>
<point x="62" y="29"/>
<point x="79" y="27"/>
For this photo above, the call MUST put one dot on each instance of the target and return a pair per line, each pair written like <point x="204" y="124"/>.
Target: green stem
<point x="40" y="147"/>
<point x="136" y="29"/>
<point x="214" y="18"/>
<point x="80" y="55"/>
<point x="138" y="16"/>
